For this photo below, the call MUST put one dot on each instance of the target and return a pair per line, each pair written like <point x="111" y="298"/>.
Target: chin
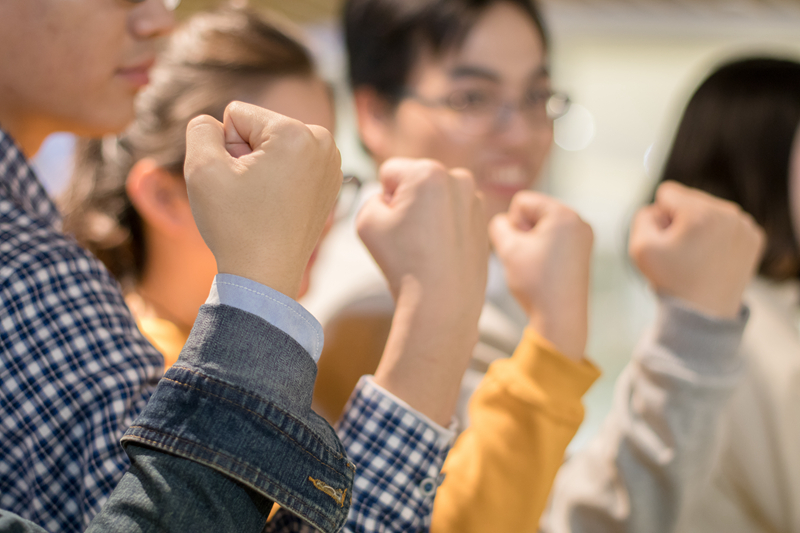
<point x="108" y="120"/>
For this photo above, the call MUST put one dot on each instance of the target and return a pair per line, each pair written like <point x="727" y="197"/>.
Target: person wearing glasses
<point x="466" y="83"/>
<point x="228" y="430"/>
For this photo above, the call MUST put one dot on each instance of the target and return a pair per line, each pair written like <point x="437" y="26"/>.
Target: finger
<point x="647" y="232"/>
<point x="247" y="127"/>
<point x="528" y="208"/>
<point x="391" y="173"/>
<point x="205" y="143"/>
<point x="503" y="233"/>
<point x="463" y="189"/>
<point x="372" y="213"/>
<point x="673" y="197"/>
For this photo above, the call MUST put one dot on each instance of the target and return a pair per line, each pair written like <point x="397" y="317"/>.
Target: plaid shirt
<point x="76" y="372"/>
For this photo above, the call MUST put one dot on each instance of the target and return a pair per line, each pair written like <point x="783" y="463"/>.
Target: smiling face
<point x="74" y="65"/>
<point x="503" y="59"/>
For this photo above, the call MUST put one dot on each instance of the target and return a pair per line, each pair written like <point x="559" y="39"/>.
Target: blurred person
<point x="466" y="83"/>
<point x="78" y="370"/>
<point x="738" y="139"/>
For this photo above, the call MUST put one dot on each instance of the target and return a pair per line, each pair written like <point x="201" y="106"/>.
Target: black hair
<point x="735" y="141"/>
<point x="385" y="37"/>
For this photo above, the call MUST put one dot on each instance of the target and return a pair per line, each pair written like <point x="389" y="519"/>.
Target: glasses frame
<point x="169" y="5"/>
<point x="557" y="105"/>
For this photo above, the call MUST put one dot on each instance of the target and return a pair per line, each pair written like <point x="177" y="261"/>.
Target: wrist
<point x="568" y="334"/>
<point x="720" y="308"/>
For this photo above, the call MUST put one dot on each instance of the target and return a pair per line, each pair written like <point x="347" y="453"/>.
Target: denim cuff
<point x="274" y="307"/>
<point x="239" y="401"/>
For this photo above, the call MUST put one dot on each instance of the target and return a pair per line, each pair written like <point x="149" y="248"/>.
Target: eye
<point x="536" y="97"/>
<point x="470" y="100"/>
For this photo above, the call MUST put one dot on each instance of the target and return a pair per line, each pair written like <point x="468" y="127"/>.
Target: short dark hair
<point x="385" y="37"/>
<point x="735" y="141"/>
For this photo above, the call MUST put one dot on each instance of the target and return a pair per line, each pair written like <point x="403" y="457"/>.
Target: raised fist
<point x="428" y="233"/>
<point x="698" y="248"/>
<point x="546" y="249"/>
<point x="261" y="186"/>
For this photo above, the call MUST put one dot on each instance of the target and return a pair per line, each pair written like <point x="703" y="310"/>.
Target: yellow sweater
<point x="523" y="416"/>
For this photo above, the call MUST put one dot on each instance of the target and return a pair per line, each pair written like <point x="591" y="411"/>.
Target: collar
<point x="19" y="184"/>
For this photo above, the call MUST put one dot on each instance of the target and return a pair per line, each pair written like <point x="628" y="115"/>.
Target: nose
<point x="513" y="128"/>
<point x="152" y="19"/>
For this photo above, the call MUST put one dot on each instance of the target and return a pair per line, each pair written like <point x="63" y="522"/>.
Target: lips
<point x="137" y="74"/>
<point x="507" y="179"/>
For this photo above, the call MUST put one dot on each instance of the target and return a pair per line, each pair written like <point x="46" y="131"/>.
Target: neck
<point x="174" y="284"/>
<point x="29" y="132"/>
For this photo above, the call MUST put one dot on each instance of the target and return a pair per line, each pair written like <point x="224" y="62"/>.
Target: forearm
<point x="523" y="416"/>
<point x="238" y="402"/>
<point x="656" y="446"/>
<point x="427" y="353"/>
<point x="164" y="493"/>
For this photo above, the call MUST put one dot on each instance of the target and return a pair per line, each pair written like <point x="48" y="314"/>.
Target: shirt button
<point x="428" y="486"/>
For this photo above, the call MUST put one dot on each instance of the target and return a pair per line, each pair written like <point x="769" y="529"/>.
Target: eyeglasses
<point x="348" y="197"/>
<point x="170" y="5"/>
<point x="480" y="111"/>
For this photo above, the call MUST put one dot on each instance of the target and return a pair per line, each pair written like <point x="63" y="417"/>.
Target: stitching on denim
<point x="267" y="296"/>
<point x="259" y="399"/>
<point x="268" y="421"/>
<point x="189" y="455"/>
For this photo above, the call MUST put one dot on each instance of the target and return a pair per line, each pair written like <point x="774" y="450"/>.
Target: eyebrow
<point x="470" y="71"/>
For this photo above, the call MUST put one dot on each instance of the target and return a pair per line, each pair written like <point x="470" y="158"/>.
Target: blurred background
<point x="629" y="66"/>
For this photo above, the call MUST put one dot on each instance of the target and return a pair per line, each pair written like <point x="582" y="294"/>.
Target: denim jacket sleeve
<point x="237" y="375"/>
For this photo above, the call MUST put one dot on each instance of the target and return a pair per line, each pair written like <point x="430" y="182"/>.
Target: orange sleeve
<point x="523" y="416"/>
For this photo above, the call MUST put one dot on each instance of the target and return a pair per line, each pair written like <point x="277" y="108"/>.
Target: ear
<point x="375" y="119"/>
<point x="159" y="197"/>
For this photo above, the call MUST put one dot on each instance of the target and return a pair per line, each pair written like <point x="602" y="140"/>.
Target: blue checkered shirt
<point x="77" y="372"/>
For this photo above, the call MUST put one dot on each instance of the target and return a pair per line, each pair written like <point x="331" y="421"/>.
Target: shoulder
<point x="58" y="298"/>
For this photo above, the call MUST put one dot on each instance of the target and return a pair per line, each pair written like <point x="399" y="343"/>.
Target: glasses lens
<point x="348" y="197"/>
<point x="558" y="106"/>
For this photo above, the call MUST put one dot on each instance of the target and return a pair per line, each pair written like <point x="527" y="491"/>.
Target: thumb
<point x="371" y="217"/>
<point x="205" y="144"/>
<point x="503" y="232"/>
<point x="392" y="173"/>
<point x="649" y="233"/>
<point x="247" y="127"/>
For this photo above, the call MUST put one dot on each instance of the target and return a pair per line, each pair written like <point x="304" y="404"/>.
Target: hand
<point x="698" y="248"/>
<point x="428" y="235"/>
<point x="261" y="186"/>
<point x="546" y="251"/>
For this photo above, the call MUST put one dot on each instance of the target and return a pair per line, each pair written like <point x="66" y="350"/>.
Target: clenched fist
<point x="428" y="234"/>
<point x="546" y="249"/>
<point x="697" y="248"/>
<point x="261" y="186"/>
